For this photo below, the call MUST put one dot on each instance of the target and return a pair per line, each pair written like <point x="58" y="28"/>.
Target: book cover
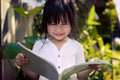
<point x="47" y="69"/>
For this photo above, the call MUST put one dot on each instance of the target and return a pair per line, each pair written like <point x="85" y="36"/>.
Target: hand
<point x="95" y="59"/>
<point x="95" y="66"/>
<point x="21" y="60"/>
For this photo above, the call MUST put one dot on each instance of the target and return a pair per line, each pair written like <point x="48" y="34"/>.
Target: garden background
<point x="99" y="26"/>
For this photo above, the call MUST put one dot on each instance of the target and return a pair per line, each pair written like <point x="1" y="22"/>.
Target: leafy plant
<point x="11" y="49"/>
<point x="94" y="46"/>
<point x="92" y="41"/>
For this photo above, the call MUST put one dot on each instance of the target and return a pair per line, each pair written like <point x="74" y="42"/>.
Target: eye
<point x="64" y="23"/>
<point x="53" y="23"/>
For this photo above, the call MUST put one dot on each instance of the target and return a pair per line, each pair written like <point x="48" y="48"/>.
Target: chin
<point x="60" y="39"/>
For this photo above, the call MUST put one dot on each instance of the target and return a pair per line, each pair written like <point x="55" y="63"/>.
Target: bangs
<point x="57" y="18"/>
<point x="60" y="10"/>
<point x="57" y="12"/>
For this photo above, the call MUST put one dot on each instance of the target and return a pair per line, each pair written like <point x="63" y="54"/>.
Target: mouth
<point x="59" y="34"/>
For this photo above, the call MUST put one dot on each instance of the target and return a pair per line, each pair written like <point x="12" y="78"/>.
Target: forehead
<point x="60" y="18"/>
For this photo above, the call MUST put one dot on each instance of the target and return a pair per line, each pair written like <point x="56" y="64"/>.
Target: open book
<point x="47" y="69"/>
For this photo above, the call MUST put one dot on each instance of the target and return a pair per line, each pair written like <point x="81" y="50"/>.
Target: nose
<point x="59" y="28"/>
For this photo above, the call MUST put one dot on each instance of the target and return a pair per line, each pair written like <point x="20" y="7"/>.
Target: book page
<point x="38" y="64"/>
<point x="47" y="69"/>
<point x="77" y="68"/>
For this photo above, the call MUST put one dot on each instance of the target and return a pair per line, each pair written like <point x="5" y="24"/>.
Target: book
<point x="47" y="69"/>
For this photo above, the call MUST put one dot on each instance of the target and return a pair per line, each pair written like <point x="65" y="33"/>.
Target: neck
<point x="59" y="43"/>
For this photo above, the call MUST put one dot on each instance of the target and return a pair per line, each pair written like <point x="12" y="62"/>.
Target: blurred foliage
<point x="10" y="51"/>
<point x="94" y="45"/>
<point x="111" y="14"/>
<point x="91" y="38"/>
<point x="108" y="20"/>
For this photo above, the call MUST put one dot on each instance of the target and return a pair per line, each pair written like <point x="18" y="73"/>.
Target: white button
<point x="58" y="67"/>
<point x="58" y="55"/>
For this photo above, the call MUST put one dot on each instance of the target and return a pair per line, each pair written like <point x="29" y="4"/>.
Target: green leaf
<point x="31" y="39"/>
<point x="93" y="23"/>
<point x="91" y="13"/>
<point x="20" y="10"/>
<point x="24" y="13"/>
<point x="91" y="16"/>
<point x="11" y="51"/>
<point x="34" y="11"/>
<point x="100" y="42"/>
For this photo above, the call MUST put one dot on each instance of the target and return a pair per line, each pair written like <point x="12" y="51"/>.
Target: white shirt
<point x="71" y="53"/>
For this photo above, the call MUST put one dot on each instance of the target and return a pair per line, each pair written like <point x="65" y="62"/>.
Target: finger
<point x="21" y="62"/>
<point x="94" y="66"/>
<point x="23" y="58"/>
<point x="18" y="59"/>
<point x="21" y="55"/>
<point x="18" y="63"/>
<point x="99" y="67"/>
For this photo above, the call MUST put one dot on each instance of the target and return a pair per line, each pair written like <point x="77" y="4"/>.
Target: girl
<point x="59" y="30"/>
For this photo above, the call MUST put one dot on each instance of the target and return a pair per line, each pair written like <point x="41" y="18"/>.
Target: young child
<point x="59" y="31"/>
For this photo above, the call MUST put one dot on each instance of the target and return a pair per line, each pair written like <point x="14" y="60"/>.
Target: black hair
<point x="54" y="10"/>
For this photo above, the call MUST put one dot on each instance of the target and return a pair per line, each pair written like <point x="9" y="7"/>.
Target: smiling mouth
<point x="59" y="34"/>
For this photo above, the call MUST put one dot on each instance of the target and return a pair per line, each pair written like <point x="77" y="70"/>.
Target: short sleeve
<point x="80" y="58"/>
<point x="37" y="46"/>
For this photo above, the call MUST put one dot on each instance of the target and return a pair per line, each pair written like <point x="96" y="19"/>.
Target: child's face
<point x="59" y="31"/>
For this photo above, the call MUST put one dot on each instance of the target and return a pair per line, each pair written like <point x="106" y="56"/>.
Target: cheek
<point x="50" y="30"/>
<point x="68" y="30"/>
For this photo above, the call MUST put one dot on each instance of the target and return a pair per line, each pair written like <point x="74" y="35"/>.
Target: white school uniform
<point x="71" y="53"/>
